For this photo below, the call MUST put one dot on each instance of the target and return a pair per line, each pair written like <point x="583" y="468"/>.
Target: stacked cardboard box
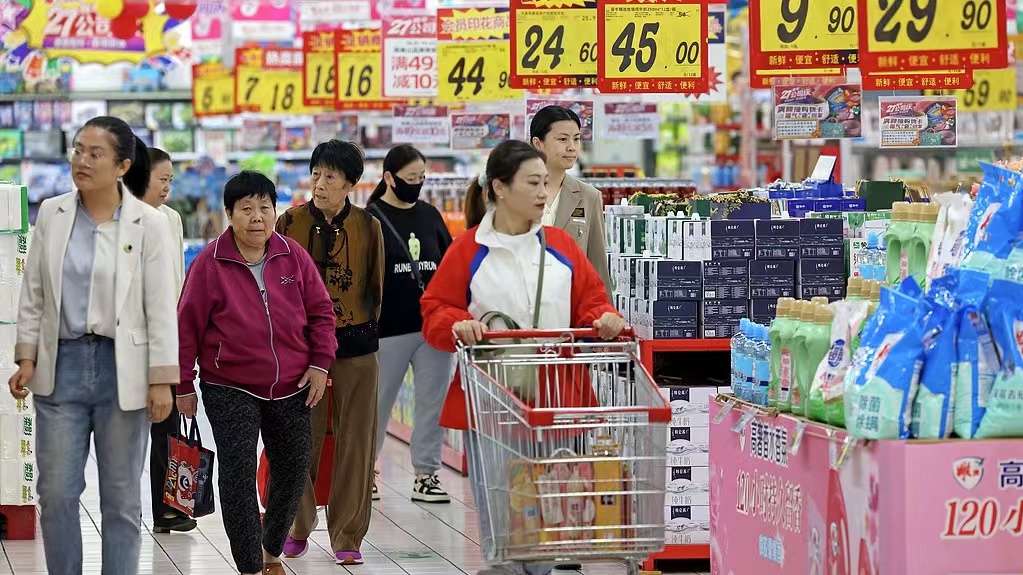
<point x="17" y="417"/>
<point x="687" y="459"/>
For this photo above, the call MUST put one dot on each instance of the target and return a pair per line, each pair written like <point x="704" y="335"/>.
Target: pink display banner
<point x="835" y="507"/>
<point x="775" y="512"/>
<point x="261" y="10"/>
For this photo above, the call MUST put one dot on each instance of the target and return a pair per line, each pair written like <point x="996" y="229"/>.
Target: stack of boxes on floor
<point x="17" y="417"/>
<point x="687" y="481"/>
<point x="678" y="278"/>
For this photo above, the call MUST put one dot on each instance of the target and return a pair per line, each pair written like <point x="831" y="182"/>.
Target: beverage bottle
<point x="737" y="342"/>
<point x="762" y="364"/>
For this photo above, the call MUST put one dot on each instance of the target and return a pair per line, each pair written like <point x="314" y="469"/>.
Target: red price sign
<point x="802" y="34"/>
<point x="910" y="35"/>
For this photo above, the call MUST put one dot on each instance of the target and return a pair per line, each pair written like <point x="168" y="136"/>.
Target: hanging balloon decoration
<point x="181" y="9"/>
<point x="135" y="9"/>
<point x="124" y="27"/>
<point x="109" y="9"/>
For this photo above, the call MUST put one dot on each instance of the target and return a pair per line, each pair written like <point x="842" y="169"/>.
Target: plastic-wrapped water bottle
<point x="761" y="364"/>
<point x="738" y="347"/>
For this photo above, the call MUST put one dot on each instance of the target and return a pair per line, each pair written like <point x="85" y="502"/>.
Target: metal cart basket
<point x="566" y="448"/>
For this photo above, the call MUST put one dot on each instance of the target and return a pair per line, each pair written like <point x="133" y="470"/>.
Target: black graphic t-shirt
<point x="426" y="238"/>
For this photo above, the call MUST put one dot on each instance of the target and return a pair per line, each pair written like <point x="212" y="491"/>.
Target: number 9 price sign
<point x="803" y="34"/>
<point x="910" y="35"/>
<point x="652" y="47"/>
<point x="473" y="56"/>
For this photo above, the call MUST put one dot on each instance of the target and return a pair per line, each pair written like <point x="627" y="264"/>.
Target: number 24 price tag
<point x="474" y="72"/>
<point x="554" y="47"/>
<point x="652" y="48"/>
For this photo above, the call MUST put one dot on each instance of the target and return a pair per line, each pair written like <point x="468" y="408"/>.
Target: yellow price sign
<point x="553" y="44"/>
<point x="474" y="72"/>
<point x="269" y="81"/>
<point x="800" y="34"/>
<point x="320" y="78"/>
<point x="212" y="90"/>
<point x="359" y="78"/>
<point x="903" y="35"/>
<point x="993" y="90"/>
<point x="649" y="48"/>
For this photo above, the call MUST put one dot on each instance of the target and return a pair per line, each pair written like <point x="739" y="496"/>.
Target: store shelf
<point x="450" y="457"/>
<point x="648" y="347"/>
<point x="679" y="553"/>
<point x="161" y="96"/>
<point x="303" y="155"/>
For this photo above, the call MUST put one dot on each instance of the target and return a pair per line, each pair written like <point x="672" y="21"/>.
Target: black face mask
<point x="406" y="192"/>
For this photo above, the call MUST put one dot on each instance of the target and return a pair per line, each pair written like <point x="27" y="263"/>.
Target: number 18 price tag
<point x="651" y="48"/>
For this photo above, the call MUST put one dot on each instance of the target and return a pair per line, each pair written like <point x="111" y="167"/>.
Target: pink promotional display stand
<point x="790" y="496"/>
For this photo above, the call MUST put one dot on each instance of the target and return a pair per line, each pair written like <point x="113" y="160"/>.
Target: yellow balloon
<point x="109" y="8"/>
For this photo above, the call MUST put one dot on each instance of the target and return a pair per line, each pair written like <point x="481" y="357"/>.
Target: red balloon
<point x="135" y="9"/>
<point x="124" y="27"/>
<point x="181" y="9"/>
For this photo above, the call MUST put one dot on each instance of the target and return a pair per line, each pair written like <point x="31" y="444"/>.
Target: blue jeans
<point x="84" y="406"/>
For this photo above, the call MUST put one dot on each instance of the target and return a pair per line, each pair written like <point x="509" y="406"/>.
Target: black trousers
<point x="238" y="419"/>
<point x="158" y="455"/>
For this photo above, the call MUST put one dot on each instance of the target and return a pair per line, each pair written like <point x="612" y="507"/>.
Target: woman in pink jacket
<point x="256" y="315"/>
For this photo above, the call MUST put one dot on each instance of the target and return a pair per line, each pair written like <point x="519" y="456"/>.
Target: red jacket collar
<point x="225" y="248"/>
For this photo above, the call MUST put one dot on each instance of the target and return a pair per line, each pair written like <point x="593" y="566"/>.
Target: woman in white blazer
<point x="165" y="518"/>
<point x="97" y="343"/>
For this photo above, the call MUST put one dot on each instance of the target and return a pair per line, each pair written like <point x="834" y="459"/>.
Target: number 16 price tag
<point x="652" y="48"/>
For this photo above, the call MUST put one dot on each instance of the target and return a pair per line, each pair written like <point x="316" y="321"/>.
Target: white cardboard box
<point x="17" y="436"/>
<point x="689" y="400"/>
<point x="687" y="485"/>
<point x="691" y="445"/>
<point x="18" y="482"/>
<point x="686" y="524"/>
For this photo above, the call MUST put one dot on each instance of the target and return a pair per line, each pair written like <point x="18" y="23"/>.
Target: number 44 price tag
<point x="473" y="55"/>
<point x="652" y="48"/>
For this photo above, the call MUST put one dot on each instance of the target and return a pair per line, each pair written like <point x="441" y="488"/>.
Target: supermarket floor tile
<point x="404" y="539"/>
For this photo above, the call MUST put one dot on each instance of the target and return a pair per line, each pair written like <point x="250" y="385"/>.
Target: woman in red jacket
<point x="494" y="267"/>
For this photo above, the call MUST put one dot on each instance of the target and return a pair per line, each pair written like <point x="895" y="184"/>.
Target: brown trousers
<point x="353" y="397"/>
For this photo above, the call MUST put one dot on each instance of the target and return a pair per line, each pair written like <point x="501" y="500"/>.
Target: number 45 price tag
<point x="651" y="48"/>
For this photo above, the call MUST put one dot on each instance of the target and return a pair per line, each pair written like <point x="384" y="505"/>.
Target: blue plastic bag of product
<point x="883" y="383"/>
<point x="980" y="213"/>
<point x="994" y="230"/>
<point x="1004" y="414"/>
<point x="910" y="287"/>
<point x="932" y="408"/>
<point x="976" y="357"/>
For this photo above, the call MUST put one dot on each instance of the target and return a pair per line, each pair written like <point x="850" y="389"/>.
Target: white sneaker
<point x="426" y="489"/>
<point x="376" y="492"/>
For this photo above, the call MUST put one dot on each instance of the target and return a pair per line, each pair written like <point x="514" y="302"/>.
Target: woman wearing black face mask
<point x="415" y="239"/>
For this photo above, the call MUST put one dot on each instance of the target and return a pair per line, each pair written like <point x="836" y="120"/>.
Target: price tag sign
<point x="800" y="34"/>
<point x="360" y="83"/>
<point x="410" y="56"/>
<point x="908" y="35"/>
<point x="553" y="44"/>
<point x="652" y="47"/>
<point x="993" y="90"/>
<point x="472" y="51"/>
<point x="320" y="78"/>
<point x="212" y="90"/>
<point x="269" y="81"/>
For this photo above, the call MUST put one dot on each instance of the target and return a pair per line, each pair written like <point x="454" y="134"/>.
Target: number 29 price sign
<point x="472" y="54"/>
<point x="910" y="35"/>
<point x="652" y="46"/>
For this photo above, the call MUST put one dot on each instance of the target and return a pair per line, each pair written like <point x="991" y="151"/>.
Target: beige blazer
<point x="581" y="214"/>
<point x="146" y="340"/>
<point x="178" y="235"/>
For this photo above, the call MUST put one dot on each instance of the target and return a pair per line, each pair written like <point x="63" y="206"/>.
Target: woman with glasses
<point x="97" y="343"/>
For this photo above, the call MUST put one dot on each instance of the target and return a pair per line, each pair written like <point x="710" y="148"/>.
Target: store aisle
<point x="405" y="538"/>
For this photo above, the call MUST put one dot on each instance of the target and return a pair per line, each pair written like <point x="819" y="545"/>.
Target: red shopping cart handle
<point x="573" y="333"/>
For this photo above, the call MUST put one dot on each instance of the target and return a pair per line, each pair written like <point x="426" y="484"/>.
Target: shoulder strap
<point x="539" y="279"/>
<point x="415" y="265"/>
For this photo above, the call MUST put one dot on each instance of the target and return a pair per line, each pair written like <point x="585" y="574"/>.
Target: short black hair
<point x="245" y="184"/>
<point x="344" y="157"/>
<point x="546" y="117"/>
<point x="156" y="156"/>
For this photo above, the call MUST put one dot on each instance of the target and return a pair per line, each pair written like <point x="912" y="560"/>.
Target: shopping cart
<point x="577" y="473"/>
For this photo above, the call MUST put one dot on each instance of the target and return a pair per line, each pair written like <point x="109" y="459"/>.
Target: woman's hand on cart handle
<point x="469" y="332"/>
<point x="609" y="326"/>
